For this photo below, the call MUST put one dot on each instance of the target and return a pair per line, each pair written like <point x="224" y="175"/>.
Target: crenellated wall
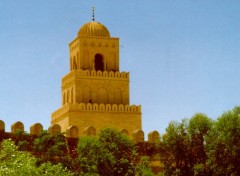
<point x="72" y="131"/>
<point x="145" y="147"/>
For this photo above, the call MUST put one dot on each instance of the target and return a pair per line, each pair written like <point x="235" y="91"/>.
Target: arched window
<point x="98" y="62"/>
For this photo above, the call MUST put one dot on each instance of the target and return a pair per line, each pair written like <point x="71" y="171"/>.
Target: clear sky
<point x="183" y="55"/>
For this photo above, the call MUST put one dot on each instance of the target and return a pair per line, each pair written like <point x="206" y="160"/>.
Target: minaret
<point x="95" y="94"/>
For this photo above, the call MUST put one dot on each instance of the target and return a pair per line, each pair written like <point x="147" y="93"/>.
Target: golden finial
<point x="93" y="8"/>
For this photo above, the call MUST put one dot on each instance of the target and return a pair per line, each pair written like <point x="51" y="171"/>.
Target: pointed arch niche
<point x="86" y="62"/>
<point x="117" y="96"/>
<point x="86" y="94"/>
<point x="102" y="96"/>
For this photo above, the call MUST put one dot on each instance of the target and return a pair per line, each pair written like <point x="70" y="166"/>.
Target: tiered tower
<point x="95" y="94"/>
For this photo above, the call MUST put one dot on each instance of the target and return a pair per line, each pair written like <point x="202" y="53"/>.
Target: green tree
<point x="112" y="153"/>
<point x="22" y="140"/>
<point x="47" y="146"/>
<point x="122" y="149"/>
<point x="174" y="149"/>
<point x="182" y="149"/>
<point x="91" y="155"/>
<point x="55" y="150"/>
<point x="223" y="144"/>
<point x="143" y="168"/>
<point x="20" y="163"/>
<point x="199" y="126"/>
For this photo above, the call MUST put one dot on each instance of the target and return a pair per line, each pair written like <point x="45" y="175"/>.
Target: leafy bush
<point x="21" y="163"/>
<point x="111" y="154"/>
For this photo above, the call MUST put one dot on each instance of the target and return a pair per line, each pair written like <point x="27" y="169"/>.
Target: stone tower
<point x="95" y="94"/>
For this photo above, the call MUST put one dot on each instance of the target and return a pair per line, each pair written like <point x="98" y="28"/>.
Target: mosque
<point x="95" y="94"/>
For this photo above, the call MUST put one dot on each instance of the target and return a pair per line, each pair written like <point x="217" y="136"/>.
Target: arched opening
<point x="98" y="62"/>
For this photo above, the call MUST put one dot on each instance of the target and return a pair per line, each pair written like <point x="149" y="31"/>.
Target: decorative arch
<point x="86" y="94"/>
<point x="90" y="131"/>
<point x="102" y="96"/>
<point x="102" y="107"/>
<point x="117" y="96"/>
<point x="105" y="74"/>
<point x="86" y="62"/>
<point x="124" y="131"/>
<point x="111" y="74"/>
<point x="95" y="106"/>
<point x="121" y="107"/>
<point x="82" y="106"/>
<point x="108" y="107"/>
<point x="114" y="107"/>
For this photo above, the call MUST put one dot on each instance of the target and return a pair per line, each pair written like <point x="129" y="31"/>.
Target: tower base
<point x="98" y="116"/>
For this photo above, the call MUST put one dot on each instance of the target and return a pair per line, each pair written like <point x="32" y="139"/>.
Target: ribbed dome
<point x="93" y="29"/>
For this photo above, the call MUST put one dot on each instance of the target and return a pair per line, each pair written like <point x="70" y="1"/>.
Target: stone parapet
<point x="96" y="74"/>
<point x="96" y="107"/>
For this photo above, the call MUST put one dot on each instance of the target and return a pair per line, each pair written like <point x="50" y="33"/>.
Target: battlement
<point x="69" y="107"/>
<point x="97" y="74"/>
<point x="35" y="129"/>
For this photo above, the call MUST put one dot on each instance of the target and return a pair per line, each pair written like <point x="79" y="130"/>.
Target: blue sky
<point x="183" y="55"/>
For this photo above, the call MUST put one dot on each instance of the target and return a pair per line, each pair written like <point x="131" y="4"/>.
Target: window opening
<point x="99" y="64"/>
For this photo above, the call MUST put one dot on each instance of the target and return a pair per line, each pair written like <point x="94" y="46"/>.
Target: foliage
<point x="18" y="163"/>
<point x="21" y="139"/>
<point x="90" y="155"/>
<point x="54" y="149"/>
<point x="122" y="152"/>
<point x="143" y="168"/>
<point x="49" y="169"/>
<point x="13" y="162"/>
<point x="198" y="146"/>
<point x="198" y="128"/>
<point x="183" y="146"/>
<point x="223" y="144"/>
<point x="174" y="149"/>
<point x="111" y="154"/>
<point x="47" y="146"/>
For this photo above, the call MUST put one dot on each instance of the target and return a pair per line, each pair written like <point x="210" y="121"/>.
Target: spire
<point x="93" y="9"/>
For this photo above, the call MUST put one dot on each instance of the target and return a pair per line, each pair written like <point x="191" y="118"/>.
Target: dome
<point x="93" y="29"/>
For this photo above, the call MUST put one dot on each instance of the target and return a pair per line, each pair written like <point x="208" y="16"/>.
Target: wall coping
<point x="97" y="74"/>
<point x="89" y="107"/>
